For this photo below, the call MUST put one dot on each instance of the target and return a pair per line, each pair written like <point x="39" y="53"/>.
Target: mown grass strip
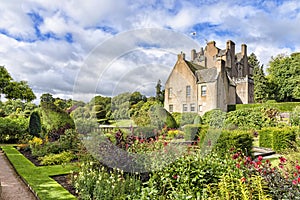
<point x="38" y="178"/>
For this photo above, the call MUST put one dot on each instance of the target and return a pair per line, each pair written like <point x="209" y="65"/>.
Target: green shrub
<point x="35" y="126"/>
<point x="214" y="118"/>
<point x="295" y="116"/>
<point x="57" y="159"/>
<point x="13" y="130"/>
<point x="145" y="131"/>
<point x="186" y="118"/>
<point x="237" y="139"/>
<point x="251" y="118"/>
<point x="99" y="183"/>
<point x="191" y="131"/>
<point x="55" y="121"/>
<point x="278" y="139"/>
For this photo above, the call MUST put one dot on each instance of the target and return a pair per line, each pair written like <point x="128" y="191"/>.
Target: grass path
<point x="38" y="178"/>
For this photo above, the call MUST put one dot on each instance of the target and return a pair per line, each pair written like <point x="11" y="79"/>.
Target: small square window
<point x="192" y="107"/>
<point x="200" y="108"/>
<point x="184" y="108"/>
<point x="171" y="108"/>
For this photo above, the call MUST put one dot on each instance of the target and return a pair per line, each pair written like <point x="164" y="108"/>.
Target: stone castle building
<point x="213" y="78"/>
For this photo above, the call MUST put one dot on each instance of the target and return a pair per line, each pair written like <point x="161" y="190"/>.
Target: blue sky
<point x="81" y="48"/>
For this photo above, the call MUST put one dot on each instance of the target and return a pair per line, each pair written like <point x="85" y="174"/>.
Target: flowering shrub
<point x="97" y="182"/>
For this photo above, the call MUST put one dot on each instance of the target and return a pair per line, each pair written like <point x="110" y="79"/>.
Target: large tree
<point x="12" y="89"/>
<point x="284" y="76"/>
<point x="260" y="80"/>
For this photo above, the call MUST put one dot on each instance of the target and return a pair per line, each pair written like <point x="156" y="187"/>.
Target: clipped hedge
<point x="237" y="139"/>
<point x="191" y="131"/>
<point x="145" y="131"/>
<point x="276" y="138"/>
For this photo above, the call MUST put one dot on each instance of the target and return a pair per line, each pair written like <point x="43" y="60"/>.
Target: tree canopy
<point x="260" y="81"/>
<point x="12" y="89"/>
<point x="284" y="77"/>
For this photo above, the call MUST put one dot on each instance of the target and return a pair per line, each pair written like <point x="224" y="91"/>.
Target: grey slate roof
<point x="194" y="67"/>
<point x="207" y="75"/>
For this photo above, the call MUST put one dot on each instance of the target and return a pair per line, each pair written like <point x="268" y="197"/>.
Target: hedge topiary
<point x="191" y="131"/>
<point x="237" y="139"/>
<point x="276" y="138"/>
<point x="35" y="126"/>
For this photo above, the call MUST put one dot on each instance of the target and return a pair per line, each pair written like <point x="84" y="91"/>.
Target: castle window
<point x="188" y="91"/>
<point x="203" y="90"/>
<point x="170" y="108"/>
<point x="184" y="108"/>
<point x="200" y="108"/>
<point x="193" y="107"/>
<point x="170" y="92"/>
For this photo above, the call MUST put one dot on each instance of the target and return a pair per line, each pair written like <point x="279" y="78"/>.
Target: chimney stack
<point x="244" y="49"/>
<point x="193" y="54"/>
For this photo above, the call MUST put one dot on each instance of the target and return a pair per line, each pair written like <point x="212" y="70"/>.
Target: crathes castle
<point x="213" y="78"/>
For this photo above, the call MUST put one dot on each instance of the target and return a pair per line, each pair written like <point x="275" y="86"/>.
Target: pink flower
<point x="298" y="167"/>
<point x="175" y="176"/>
<point x="259" y="158"/>
<point x="294" y="182"/>
<point x="238" y="165"/>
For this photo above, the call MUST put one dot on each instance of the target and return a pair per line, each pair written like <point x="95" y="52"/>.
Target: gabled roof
<point x="207" y="75"/>
<point x="194" y="67"/>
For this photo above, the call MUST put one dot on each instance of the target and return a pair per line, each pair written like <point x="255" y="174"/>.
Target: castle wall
<point x="180" y="78"/>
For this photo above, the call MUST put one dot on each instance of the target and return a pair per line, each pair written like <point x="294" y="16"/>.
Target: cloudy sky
<point x="76" y="49"/>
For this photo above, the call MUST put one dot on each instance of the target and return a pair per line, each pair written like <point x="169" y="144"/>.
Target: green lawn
<point x="38" y="178"/>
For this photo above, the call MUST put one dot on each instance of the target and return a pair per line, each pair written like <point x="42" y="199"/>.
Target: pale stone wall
<point x="209" y="101"/>
<point x="181" y="76"/>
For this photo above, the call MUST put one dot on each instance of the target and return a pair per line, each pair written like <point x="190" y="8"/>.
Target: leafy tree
<point x="136" y="97"/>
<point x="35" y="126"/>
<point x="102" y="108"/>
<point x="19" y="90"/>
<point x="47" y="98"/>
<point x="12" y="89"/>
<point x="284" y="76"/>
<point x="5" y="79"/>
<point x="260" y="80"/>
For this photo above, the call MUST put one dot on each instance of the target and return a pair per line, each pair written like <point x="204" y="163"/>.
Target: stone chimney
<point x="193" y="54"/>
<point x="230" y="46"/>
<point x="244" y="49"/>
<point x="181" y="56"/>
<point x="220" y="65"/>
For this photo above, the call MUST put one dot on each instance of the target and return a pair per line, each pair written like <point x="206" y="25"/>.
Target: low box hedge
<point x="276" y="138"/>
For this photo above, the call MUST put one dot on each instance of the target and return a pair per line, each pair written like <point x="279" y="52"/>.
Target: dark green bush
<point x="237" y="139"/>
<point x="276" y="138"/>
<point x="35" y="126"/>
<point x="191" y="131"/>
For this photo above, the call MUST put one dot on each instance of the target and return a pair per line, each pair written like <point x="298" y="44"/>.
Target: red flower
<point x="258" y="162"/>
<point x="238" y="165"/>
<point x="295" y="174"/>
<point x="259" y="158"/>
<point x="243" y="179"/>
<point x="298" y="179"/>
<point x="298" y="167"/>
<point x="235" y="156"/>
<point x="175" y="176"/>
<point x="165" y="143"/>
<point x="267" y="161"/>
<point x="282" y="160"/>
